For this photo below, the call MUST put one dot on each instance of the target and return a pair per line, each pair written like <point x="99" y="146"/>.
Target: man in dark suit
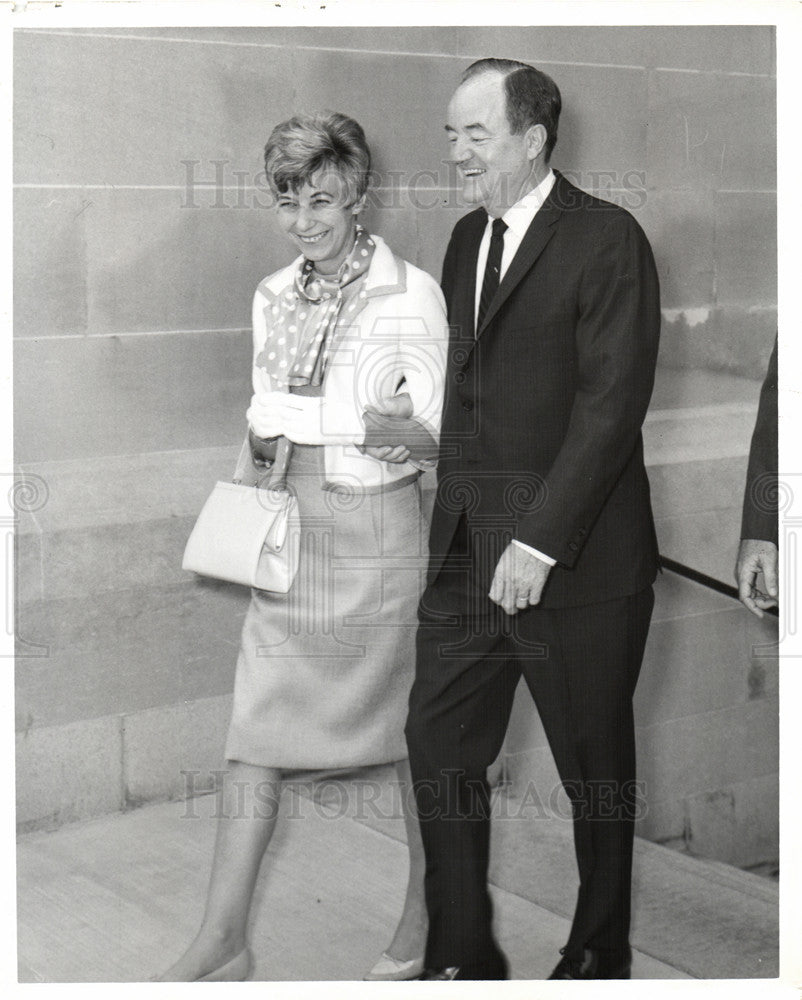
<point x="543" y="550"/>
<point x="758" y="552"/>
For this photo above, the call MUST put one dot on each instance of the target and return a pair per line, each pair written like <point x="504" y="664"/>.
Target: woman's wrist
<point x="263" y="450"/>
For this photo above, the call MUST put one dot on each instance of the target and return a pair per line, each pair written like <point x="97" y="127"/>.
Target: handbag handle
<point x="277" y="477"/>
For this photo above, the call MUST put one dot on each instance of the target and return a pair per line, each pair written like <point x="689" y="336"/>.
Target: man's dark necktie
<point x="492" y="269"/>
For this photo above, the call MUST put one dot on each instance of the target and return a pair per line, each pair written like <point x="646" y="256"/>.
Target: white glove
<point x="301" y="419"/>
<point x="266" y="412"/>
<point x="315" y="420"/>
<point x="305" y="419"/>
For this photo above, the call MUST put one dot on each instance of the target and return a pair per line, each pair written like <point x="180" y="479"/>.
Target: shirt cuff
<point x="540" y="555"/>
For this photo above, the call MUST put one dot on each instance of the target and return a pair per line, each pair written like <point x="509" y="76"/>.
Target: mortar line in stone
<point x="26" y="186"/>
<point x="713" y="72"/>
<point x="130" y="333"/>
<point x="382" y="52"/>
<point x="81" y="461"/>
<point x="693" y="412"/>
<point x="697" y="614"/>
<point x="212" y="186"/>
<point x="306" y="48"/>
<point x="674" y="518"/>
<point x="203" y="185"/>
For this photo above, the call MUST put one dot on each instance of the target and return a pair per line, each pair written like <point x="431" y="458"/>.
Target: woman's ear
<point x="358" y="205"/>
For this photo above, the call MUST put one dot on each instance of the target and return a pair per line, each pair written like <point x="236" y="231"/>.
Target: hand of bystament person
<point x="757" y="556"/>
<point x="519" y="579"/>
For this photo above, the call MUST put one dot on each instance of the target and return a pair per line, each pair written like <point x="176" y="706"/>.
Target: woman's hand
<point x="299" y="418"/>
<point x="266" y="413"/>
<point x="303" y="420"/>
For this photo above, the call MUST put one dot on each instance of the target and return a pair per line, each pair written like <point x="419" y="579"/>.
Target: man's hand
<point x="387" y="453"/>
<point x="519" y="579"/>
<point x="757" y="556"/>
<point x="391" y="406"/>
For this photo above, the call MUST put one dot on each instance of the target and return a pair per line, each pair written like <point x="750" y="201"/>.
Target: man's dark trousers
<point x="581" y="665"/>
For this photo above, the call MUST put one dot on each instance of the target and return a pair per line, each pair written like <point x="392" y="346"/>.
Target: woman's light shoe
<point x="235" y="971"/>
<point x="389" y="969"/>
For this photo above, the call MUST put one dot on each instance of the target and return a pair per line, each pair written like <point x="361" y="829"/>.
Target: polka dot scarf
<point x="301" y="323"/>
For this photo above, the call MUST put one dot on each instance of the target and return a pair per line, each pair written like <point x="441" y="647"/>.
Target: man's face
<point x="495" y="165"/>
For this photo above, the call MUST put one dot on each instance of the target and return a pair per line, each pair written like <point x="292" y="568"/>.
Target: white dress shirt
<point x="518" y="219"/>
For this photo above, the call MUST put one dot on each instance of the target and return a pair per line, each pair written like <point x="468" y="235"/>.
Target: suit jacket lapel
<point x="532" y="246"/>
<point x="465" y="295"/>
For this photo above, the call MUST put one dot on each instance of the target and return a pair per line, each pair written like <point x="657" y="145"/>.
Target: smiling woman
<point x="347" y="339"/>
<point x="318" y="168"/>
<point x="319" y="220"/>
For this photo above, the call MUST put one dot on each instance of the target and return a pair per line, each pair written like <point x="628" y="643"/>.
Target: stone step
<point x="703" y="918"/>
<point x="331" y="889"/>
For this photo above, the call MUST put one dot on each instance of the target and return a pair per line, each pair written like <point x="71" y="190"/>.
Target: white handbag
<point x="249" y="534"/>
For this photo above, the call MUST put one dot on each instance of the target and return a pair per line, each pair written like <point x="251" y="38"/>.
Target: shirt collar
<point x="519" y="217"/>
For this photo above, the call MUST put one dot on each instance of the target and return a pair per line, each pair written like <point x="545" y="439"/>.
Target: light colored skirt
<point x="324" y="672"/>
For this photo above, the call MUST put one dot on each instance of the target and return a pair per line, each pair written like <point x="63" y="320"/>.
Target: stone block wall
<point x="141" y="230"/>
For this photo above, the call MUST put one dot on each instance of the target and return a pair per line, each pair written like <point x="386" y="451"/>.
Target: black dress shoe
<point x="593" y="965"/>
<point x="497" y="969"/>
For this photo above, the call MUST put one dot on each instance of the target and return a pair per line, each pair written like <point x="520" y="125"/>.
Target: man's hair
<point x="533" y="98"/>
<point x="301" y="146"/>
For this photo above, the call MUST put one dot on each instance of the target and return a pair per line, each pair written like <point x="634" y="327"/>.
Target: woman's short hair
<point x="533" y="98"/>
<point x="306" y="143"/>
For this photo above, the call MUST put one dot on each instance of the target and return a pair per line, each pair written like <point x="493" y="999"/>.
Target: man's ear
<point x="536" y="137"/>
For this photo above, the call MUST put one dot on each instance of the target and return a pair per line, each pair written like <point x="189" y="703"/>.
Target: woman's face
<point x="318" y="221"/>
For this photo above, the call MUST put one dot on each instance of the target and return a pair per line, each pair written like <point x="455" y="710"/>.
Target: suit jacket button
<point x="467" y="405"/>
<point x="573" y="546"/>
<point x="459" y="378"/>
